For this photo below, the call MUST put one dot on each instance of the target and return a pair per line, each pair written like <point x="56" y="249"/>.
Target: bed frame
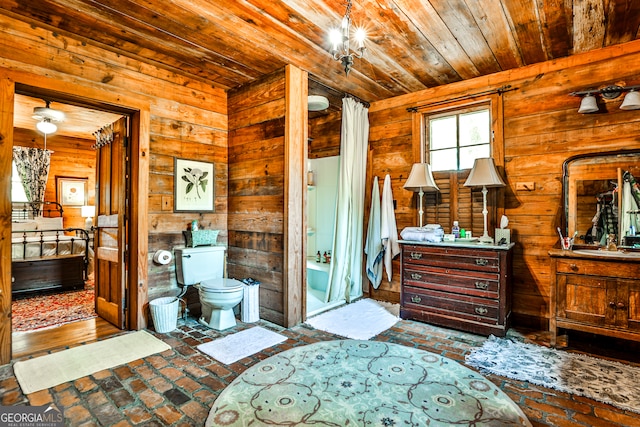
<point x="38" y="274"/>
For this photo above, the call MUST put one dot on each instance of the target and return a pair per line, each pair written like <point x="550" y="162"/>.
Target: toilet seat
<point x="221" y="285"/>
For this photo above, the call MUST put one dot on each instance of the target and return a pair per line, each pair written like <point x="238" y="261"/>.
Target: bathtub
<point x="317" y="275"/>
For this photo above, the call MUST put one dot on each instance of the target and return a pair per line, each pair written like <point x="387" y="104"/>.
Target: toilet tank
<point x="194" y="265"/>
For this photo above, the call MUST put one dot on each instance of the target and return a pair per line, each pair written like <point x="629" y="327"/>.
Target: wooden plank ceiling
<point x="412" y="44"/>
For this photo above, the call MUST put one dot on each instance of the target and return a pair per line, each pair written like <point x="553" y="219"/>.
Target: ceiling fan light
<point x="46" y="127"/>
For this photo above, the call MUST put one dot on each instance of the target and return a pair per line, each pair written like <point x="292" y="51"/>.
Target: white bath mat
<point x="241" y="344"/>
<point x="44" y="372"/>
<point x="360" y="320"/>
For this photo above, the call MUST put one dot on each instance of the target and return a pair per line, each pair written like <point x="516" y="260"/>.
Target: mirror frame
<point x="565" y="179"/>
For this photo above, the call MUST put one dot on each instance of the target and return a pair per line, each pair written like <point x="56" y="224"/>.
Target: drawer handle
<point x="573" y="267"/>
<point x="482" y="261"/>
<point x="481" y="310"/>
<point x="482" y="285"/>
<point x="620" y="305"/>
<point x="614" y="304"/>
<point x="416" y="276"/>
<point x="416" y="299"/>
<point x="416" y="255"/>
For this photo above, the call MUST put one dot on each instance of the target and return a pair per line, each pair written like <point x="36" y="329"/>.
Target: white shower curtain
<point x="345" y="274"/>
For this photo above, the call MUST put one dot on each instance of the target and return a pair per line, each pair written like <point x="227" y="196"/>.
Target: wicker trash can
<point x="164" y="312"/>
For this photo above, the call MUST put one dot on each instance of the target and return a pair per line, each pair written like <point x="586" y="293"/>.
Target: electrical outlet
<point x="525" y="186"/>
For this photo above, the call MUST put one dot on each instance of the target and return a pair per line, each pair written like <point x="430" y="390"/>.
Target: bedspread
<point x="66" y="245"/>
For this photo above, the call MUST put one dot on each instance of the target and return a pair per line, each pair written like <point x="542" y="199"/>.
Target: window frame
<point x="457" y="112"/>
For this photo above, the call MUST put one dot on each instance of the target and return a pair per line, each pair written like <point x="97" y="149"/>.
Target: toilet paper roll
<point x="162" y="257"/>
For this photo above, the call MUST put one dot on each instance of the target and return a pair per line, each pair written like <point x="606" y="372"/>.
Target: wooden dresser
<point x="595" y="292"/>
<point x="465" y="286"/>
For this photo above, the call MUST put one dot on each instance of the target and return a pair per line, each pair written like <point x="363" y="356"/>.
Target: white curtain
<point x="345" y="274"/>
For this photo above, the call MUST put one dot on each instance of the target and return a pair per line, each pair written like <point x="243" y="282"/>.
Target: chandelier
<point x="340" y="37"/>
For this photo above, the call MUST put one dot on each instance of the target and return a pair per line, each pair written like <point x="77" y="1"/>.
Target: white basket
<point x="164" y="312"/>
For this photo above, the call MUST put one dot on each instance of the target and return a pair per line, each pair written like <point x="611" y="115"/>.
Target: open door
<point x="110" y="236"/>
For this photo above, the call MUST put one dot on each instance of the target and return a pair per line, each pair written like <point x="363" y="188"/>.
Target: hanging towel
<point x="373" y="247"/>
<point x="388" y="229"/>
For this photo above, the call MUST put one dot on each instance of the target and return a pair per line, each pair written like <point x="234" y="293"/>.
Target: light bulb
<point x="46" y="127"/>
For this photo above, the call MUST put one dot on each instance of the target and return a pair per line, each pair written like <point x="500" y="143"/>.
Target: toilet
<point x="203" y="267"/>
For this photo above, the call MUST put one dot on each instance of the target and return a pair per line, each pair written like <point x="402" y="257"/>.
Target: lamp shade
<point x="46" y="127"/>
<point x="88" y="211"/>
<point x="421" y="178"/>
<point x="631" y="101"/>
<point x="484" y="173"/>
<point x="588" y="104"/>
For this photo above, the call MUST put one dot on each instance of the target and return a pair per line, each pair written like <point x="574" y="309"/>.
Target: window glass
<point x="17" y="190"/>
<point x="456" y="139"/>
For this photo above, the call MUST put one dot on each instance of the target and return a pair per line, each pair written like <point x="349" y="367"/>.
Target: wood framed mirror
<point x="596" y="200"/>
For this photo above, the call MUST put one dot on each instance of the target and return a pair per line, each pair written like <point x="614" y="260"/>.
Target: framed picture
<point x="193" y="186"/>
<point x="71" y="191"/>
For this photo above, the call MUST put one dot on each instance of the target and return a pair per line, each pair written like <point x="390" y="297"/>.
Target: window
<point x="17" y="190"/>
<point x="456" y="139"/>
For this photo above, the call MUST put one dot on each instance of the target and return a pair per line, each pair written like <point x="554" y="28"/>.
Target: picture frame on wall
<point x="194" y="184"/>
<point x="71" y="191"/>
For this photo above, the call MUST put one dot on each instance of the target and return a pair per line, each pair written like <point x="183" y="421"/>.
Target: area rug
<point x="48" y="371"/>
<point x="242" y="344"/>
<point x="48" y="311"/>
<point x="362" y="383"/>
<point x="599" y="379"/>
<point x="361" y="320"/>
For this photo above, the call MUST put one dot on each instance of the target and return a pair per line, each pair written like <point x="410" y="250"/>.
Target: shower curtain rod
<point x="339" y="92"/>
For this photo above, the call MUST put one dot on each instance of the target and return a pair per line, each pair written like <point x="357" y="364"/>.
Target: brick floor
<point x="179" y="386"/>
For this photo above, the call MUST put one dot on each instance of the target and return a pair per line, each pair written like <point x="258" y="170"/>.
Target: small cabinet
<point x="461" y="286"/>
<point x="595" y="292"/>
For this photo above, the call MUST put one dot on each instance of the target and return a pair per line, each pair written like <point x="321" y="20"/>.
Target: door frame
<point x="138" y="108"/>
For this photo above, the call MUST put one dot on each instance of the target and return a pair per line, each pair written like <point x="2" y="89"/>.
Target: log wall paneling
<point x="541" y="129"/>
<point x="256" y="184"/>
<point x="178" y="117"/>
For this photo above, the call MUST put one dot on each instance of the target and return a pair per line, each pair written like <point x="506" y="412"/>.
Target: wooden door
<point x="110" y="237"/>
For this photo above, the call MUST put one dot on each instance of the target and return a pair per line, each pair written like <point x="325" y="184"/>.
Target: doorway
<point x="135" y="265"/>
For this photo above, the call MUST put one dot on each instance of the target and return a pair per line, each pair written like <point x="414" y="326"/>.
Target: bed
<point x="46" y="256"/>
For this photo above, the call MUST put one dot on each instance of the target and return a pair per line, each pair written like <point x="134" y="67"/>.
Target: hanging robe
<point x="388" y="229"/>
<point x="373" y="247"/>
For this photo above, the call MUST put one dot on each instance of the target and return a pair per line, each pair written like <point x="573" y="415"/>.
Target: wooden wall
<point x="72" y="157"/>
<point x="188" y="119"/>
<point x="542" y="128"/>
<point x="256" y="189"/>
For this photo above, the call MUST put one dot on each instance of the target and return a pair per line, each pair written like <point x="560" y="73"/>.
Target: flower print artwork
<point x="194" y="186"/>
<point x="195" y="178"/>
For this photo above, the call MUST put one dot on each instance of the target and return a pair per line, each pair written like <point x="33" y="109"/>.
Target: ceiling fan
<point x="46" y="117"/>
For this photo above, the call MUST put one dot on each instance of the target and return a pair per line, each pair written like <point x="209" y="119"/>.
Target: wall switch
<point x="525" y="186"/>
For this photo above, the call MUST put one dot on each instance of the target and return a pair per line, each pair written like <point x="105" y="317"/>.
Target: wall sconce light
<point x="589" y="103"/>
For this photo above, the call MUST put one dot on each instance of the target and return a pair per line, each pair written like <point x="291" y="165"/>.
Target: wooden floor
<point x="37" y="343"/>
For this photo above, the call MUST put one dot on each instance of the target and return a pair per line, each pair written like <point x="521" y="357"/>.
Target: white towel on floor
<point x="373" y="247"/>
<point x="388" y="229"/>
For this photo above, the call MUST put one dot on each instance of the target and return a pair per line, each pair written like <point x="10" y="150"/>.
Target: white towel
<point x="388" y="229"/>
<point x="373" y="247"/>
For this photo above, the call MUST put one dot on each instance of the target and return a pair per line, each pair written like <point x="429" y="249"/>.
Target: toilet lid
<point x="226" y="285"/>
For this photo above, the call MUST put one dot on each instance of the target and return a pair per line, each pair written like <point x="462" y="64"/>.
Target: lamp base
<point x="485" y="240"/>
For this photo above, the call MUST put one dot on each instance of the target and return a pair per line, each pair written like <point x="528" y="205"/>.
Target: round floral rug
<point x="362" y="383"/>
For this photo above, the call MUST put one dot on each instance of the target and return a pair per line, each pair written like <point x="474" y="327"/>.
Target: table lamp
<point x="421" y="180"/>
<point x="88" y="212"/>
<point x="484" y="174"/>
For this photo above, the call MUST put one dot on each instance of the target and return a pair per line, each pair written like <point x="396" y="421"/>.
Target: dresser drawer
<point x="475" y="283"/>
<point x="468" y="259"/>
<point x="460" y="306"/>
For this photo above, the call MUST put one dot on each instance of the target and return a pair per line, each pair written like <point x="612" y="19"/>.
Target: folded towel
<point x="429" y="233"/>
<point x="373" y="247"/>
<point x="388" y="228"/>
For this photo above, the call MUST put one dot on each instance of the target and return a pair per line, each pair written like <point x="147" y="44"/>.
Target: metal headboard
<point x="30" y="210"/>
